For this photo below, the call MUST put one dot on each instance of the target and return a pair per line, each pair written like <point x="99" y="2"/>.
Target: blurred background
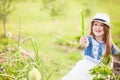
<point x="56" y="26"/>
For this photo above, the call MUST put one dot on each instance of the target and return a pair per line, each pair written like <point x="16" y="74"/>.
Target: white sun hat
<point x="103" y="18"/>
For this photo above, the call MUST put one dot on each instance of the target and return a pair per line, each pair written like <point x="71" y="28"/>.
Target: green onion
<point x="82" y="24"/>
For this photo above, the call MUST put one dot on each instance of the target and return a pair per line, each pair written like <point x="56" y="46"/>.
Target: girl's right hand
<point x="84" y="41"/>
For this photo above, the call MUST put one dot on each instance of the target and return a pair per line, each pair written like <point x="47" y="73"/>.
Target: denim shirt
<point x="96" y="49"/>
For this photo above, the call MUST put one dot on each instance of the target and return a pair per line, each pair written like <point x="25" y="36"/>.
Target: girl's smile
<point x="98" y="31"/>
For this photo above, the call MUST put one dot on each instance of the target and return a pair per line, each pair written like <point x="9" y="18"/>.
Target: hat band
<point x="99" y="19"/>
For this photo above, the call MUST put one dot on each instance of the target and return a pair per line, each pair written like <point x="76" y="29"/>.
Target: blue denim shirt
<point x="97" y="51"/>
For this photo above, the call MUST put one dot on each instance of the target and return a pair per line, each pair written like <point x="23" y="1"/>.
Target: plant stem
<point x="83" y="27"/>
<point x="19" y="32"/>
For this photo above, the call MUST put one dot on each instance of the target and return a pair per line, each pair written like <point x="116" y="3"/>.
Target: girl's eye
<point x="95" y="24"/>
<point x="102" y="25"/>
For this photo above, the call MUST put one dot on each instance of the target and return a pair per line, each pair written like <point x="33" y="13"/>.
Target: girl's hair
<point x="106" y="37"/>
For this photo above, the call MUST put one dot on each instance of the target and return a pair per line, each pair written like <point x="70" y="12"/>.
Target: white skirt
<point x="81" y="70"/>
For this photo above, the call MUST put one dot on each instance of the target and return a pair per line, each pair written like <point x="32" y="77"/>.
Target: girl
<point x="97" y="44"/>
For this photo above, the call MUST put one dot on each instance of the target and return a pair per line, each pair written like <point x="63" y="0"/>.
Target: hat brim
<point x="108" y="24"/>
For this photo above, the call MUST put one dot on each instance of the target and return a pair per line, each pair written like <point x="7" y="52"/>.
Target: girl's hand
<point x="84" y="41"/>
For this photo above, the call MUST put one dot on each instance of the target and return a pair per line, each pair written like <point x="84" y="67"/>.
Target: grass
<point x="57" y="60"/>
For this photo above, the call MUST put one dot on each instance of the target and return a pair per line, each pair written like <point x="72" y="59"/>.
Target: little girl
<point x="95" y="46"/>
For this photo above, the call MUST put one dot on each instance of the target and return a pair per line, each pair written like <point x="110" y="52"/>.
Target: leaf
<point x="83" y="26"/>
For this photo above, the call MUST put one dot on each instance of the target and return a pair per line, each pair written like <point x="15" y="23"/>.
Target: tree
<point x="5" y="10"/>
<point x="54" y="7"/>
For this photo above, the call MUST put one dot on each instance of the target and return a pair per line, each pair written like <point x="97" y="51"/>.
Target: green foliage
<point x="16" y="67"/>
<point x="87" y="12"/>
<point x="101" y="72"/>
<point x="104" y="70"/>
<point x="75" y="56"/>
<point x="54" y="7"/>
<point x="83" y="26"/>
<point x="19" y="65"/>
<point x="4" y="42"/>
<point x="117" y="42"/>
<point x="106" y="60"/>
<point x="70" y="41"/>
<point x="21" y="0"/>
<point x="5" y="10"/>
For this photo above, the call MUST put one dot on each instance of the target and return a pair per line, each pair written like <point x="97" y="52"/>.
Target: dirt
<point x="116" y="64"/>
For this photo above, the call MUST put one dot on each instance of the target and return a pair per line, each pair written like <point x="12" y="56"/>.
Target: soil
<point x="116" y="64"/>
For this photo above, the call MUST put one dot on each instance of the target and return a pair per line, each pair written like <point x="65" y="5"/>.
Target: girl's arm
<point x="84" y="41"/>
<point x="115" y="49"/>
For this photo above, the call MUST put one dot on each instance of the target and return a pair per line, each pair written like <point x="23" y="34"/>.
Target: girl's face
<point x="98" y="29"/>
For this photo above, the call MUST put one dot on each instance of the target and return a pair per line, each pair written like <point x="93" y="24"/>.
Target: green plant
<point x="117" y="42"/>
<point x="82" y="25"/>
<point x="17" y="67"/>
<point x="101" y="72"/>
<point x="54" y="7"/>
<point x="104" y="70"/>
<point x="68" y="41"/>
<point x="5" y="9"/>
